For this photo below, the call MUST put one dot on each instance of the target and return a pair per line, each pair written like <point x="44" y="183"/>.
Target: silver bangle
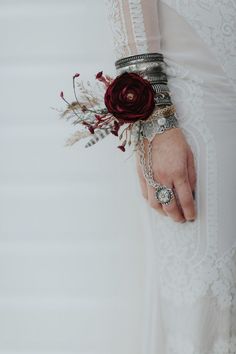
<point x="150" y="66"/>
<point x="139" y="58"/>
<point x="149" y="71"/>
<point x="160" y="87"/>
<point x="163" y="98"/>
<point x="152" y="126"/>
<point x="158" y="125"/>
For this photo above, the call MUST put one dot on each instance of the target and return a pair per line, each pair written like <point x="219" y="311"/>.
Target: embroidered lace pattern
<point x="214" y="21"/>
<point x="138" y="25"/>
<point x="184" y="346"/>
<point x="186" y="252"/>
<point x="134" y="24"/>
<point x="118" y="28"/>
<point x="190" y="270"/>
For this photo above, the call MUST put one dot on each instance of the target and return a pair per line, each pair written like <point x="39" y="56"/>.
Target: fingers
<point x="173" y="210"/>
<point x="191" y="171"/>
<point x="153" y="202"/>
<point x="185" y="197"/>
<point x="182" y="182"/>
<point x="148" y="192"/>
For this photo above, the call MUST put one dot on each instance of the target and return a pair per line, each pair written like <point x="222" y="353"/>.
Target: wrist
<point x="151" y="66"/>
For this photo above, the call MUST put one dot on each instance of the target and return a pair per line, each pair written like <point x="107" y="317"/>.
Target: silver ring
<point x="164" y="195"/>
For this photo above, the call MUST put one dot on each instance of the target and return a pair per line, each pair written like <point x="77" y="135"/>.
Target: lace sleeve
<point x="135" y="26"/>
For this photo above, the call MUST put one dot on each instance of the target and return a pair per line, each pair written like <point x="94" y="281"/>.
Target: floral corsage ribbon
<point x="118" y="106"/>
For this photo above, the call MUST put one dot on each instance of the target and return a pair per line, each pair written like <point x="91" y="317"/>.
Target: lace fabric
<point x="196" y="281"/>
<point x="215" y="23"/>
<point x="192" y="291"/>
<point x="135" y="26"/>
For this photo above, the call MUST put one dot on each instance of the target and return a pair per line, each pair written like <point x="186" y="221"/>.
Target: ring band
<point x="164" y="195"/>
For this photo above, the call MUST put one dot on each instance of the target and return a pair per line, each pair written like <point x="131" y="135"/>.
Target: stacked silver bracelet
<point x="151" y="66"/>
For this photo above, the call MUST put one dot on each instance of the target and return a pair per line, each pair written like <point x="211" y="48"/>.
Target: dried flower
<point x="91" y="129"/>
<point x="121" y="147"/>
<point x="99" y="75"/>
<point x="125" y="100"/>
<point x="76" y="75"/>
<point x="105" y="79"/>
<point x="84" y="108"/>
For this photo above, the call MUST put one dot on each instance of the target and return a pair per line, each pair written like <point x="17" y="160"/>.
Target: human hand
<point x="173" y="166"/>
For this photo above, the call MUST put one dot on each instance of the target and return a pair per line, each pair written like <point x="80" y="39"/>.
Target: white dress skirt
<point x="191" y="274"/>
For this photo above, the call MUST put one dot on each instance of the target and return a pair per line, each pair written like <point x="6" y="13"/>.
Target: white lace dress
<point x="191" y="294"/>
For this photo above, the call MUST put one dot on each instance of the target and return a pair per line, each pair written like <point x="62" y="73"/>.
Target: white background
<point x="72" y="247"/>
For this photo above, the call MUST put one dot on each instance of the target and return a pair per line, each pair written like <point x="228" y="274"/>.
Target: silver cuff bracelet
<point x="150" y="65"/>
<point x="139" y="58"/>
<point x="154" y="125"/>
<point x="163" y="98"/>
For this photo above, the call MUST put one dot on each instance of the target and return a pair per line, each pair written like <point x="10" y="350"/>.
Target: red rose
<point x="130" y="98"/>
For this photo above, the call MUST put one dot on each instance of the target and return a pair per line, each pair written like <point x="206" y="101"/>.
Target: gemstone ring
<point x="164" y="195"/>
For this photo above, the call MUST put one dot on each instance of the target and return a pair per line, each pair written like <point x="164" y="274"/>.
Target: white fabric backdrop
<point x="72" y="247"/>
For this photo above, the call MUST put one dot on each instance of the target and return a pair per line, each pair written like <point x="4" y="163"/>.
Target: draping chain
<point x="163" y="194"/>
<point x="147" y="166"/>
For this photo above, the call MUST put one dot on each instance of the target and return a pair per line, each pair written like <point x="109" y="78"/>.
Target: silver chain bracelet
<point x="163" y="194"/>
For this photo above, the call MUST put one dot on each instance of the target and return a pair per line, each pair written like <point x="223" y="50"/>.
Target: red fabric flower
<point x="130" y="98"/>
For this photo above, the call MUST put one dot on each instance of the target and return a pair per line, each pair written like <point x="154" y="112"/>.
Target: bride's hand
<point x="173" y="166"/>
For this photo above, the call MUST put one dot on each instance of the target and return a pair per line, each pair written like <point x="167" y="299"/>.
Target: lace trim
<point x="188" y="256"/>
<point x="215" y="22"/>
<point x="191" y="275"/>
<point x="188" y="263"/>
<point x="118" y="27"/>
<point x="136" y="13"/>
<point x="115" y="15"/>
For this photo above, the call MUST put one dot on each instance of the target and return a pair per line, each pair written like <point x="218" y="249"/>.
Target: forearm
<point x="135" y="26"/>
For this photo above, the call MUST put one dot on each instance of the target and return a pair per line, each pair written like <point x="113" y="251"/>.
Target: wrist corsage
<point x="122" y="102"/>
<point x="134" y="106"/>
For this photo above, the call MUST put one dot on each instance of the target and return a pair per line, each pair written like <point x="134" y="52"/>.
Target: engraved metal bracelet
<point x="150" y="65"/>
